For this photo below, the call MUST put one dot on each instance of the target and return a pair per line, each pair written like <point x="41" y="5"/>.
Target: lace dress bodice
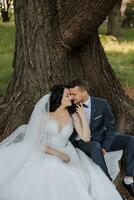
<point x="59" y="139"/>
<point x="55" y="137"/>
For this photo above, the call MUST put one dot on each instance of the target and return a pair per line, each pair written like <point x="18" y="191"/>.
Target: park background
<point x="116" y="35"/>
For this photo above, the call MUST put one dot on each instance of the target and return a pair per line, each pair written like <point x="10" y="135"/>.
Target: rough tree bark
<point x="57" y="41"/>
<point x="114" y="20"/>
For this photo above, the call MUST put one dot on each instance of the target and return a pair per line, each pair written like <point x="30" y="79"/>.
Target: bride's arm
<point x="59" y="154"/>
<point x="81" y="125"/>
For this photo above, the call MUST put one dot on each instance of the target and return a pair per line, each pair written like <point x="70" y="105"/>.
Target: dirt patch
<point x="129" y="92"/>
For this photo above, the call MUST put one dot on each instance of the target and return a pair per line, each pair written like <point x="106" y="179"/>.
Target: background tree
<point x="128" y="14"/>
<point x="122" y="14"/>
<point x="114" y="20"/>
<point x="5" y="8"/>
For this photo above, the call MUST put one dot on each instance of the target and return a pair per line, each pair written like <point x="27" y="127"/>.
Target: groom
<point x="104" y="137"/>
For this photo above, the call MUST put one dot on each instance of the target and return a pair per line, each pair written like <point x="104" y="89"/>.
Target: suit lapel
<point x="92" y="111"/>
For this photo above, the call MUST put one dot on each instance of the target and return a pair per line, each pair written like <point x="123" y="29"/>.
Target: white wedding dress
<point x="45" y="177"/>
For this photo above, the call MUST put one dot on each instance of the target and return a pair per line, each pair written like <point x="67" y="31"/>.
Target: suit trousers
<point x="93" y="149"/>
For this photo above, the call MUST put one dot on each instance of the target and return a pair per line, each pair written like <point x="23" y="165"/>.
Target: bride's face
<point x="66" y="99"/>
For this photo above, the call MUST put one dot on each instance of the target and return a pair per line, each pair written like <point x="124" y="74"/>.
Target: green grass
<point x="7" y="42"/>
<point x="120" y="54"/>
<point x="126" y="34"/>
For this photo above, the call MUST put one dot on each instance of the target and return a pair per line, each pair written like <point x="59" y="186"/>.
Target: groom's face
<point x="78" y="95"/>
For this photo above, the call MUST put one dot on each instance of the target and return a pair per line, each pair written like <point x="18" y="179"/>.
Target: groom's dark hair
<point x="82" y="84"/>
<point x="56" y="96"/>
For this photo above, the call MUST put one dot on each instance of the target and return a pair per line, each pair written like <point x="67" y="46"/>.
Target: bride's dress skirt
<point x="46" y="177"/>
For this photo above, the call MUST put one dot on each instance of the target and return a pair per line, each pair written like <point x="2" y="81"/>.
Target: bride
<point x="38" y="162"/>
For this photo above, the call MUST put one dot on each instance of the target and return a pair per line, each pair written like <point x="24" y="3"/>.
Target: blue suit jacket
<point x="102" y="123"/>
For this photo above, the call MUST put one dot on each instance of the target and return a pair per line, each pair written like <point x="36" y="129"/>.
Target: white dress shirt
<point x="88" y="109"/>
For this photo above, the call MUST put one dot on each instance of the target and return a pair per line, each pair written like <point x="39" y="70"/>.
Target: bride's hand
<point x="80" y="110"/>
<point x="61" y="155"/>
<point x="64" y="157"/>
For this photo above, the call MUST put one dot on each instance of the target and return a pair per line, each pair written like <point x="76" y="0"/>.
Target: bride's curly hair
<point x="56" y="96"/>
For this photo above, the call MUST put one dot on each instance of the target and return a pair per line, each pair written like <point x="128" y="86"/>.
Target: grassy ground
<point x="7" y="41"/>
<point x="120" y="54"/>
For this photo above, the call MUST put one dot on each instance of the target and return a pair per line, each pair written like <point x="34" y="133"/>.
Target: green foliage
<point x="128" y="20"/>
<point x="130" y="10"/>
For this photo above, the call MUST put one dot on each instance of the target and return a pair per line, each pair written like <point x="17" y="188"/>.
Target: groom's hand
<point x="104" y="151"/>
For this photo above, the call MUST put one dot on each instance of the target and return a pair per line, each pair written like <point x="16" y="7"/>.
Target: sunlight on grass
<point x="110" y="43"/>
<point x="120" y="54"/>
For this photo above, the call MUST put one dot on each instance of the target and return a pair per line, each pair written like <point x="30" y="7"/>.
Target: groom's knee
<point x="92" y="149"/>
<point x="95" y="148"/>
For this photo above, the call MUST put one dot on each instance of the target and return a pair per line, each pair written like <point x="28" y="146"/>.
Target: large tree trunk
<point x="57" y="41"/>
<point x="114" y="20"/>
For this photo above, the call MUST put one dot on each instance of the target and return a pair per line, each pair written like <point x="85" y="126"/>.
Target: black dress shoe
<point x="130" y="188"/>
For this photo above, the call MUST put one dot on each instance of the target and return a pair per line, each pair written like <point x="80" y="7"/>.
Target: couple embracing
<point x="59" y="154"/>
